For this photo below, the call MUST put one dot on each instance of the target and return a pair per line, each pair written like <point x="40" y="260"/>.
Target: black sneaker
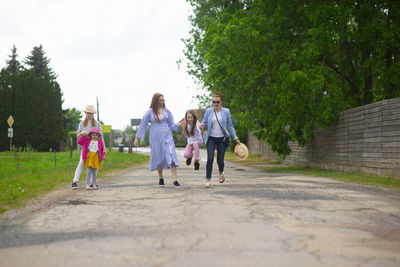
<point x="74" y="185"/>
<point x="176" y="184"/>
<point x="188" y="161"/>
<point x="161" y="182"/>
<point x="196" y="165"/>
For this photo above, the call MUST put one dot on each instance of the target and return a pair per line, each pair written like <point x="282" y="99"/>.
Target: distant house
<point x="119" y="137"/>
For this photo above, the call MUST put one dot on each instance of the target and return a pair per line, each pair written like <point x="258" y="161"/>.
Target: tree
<point x="6" y="104"/>
<point x="288" y="66"/>
<point x="130" y="131"/>
<point x="13" y="65"/>
<point x="38" y="61"/>
<point x="71" y="117"/>
<point x="48" y="105"/>
<point x="34" y="98"/>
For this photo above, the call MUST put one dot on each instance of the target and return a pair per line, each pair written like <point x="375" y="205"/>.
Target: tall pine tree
<point x="49" y="117"/>
<point x="38" y="61"/>
<point x="34" y="99"/>
<point x="6" y="105"/>
<point x="8" y="79"/>
<point x="13" y="65"/>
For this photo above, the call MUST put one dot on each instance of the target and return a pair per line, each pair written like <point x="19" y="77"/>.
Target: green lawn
<point x="38" y="174"/>
<point x="351" y="177"/>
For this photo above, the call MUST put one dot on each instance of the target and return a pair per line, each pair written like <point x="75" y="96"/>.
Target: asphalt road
<point x="254" y="219"/>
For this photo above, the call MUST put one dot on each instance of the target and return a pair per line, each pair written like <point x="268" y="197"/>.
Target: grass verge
<point x="252" y="159"/>
<point x="351" y="177"/>
<point x="39" y="173"/>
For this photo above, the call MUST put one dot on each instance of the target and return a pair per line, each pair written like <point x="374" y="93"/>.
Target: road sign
<point x="10" y="133"/>
<point x="106" y="128"/>
<point x="10" y="121"/>
<point x="135" y="122"/>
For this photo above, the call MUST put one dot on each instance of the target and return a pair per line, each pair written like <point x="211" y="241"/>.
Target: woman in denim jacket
<point x="216" y="120"/>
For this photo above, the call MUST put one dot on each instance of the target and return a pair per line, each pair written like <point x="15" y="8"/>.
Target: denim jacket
<point x="225" y="121"/>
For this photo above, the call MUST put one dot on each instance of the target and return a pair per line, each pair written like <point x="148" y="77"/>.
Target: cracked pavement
<point x="255" y="218"/>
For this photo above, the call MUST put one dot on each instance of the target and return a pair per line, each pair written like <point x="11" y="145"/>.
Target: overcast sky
<point x="121" y="51"/>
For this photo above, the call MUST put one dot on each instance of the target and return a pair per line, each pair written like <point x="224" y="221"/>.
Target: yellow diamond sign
<point x="10" y="121"/>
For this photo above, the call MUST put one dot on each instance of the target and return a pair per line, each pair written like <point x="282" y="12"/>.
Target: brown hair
<point x="155" y="102"/>
<point x="193" y="126"/>
<point x="85" y="122"/>
<point x="218" y="94"/>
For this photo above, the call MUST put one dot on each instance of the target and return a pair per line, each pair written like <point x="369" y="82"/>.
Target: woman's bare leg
<point x="160" y="172"/>
<point x="173" y="172"/>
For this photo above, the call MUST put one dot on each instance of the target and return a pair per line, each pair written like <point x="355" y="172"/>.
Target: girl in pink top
<point x="191" y="129"/>
<point x="92" y="155"/>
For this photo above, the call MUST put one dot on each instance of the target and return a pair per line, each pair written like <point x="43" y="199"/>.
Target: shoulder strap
<point x="218" y="121"/>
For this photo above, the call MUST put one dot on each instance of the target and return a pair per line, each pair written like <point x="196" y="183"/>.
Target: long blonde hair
<point x="155" y="102"/>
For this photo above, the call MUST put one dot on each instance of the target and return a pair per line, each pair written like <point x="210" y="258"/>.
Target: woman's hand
<point x="237" y="141"/>
<point x="136" y="143"/>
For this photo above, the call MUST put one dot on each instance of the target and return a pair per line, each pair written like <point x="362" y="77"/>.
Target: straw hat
<point x="241" y="151"/>
<point x="89" y="109"/>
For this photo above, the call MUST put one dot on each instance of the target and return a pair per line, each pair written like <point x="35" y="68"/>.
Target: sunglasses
<point x="215" y="102"/>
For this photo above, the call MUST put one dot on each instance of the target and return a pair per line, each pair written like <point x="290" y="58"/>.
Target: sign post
<point x="135" y="122"/>
<point x="10" y="122"/>
<point x="107" y="129"/>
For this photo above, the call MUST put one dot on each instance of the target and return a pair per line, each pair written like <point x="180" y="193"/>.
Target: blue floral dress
<point x="162" y="143"/>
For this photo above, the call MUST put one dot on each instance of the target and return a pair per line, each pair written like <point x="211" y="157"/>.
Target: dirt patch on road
<point x="53" y="198"/>
<point x="40" y="204"/>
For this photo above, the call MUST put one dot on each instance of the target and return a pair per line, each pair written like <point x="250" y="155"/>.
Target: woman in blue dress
<point x="162" y="144"/>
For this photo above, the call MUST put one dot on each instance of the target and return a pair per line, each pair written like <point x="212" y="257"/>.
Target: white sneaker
<point x="221" y="177"/>
<point x="95" y="186"/>
<point x="208" y="184"/>
<point x="88" y="187"/>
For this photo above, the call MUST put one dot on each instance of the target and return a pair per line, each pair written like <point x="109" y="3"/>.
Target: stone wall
<point x="365" y="139"/>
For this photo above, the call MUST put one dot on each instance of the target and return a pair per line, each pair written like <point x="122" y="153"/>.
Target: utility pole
<point x="97" y="101"/>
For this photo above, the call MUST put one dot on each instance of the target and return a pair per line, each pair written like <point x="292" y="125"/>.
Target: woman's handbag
<point x="227" y="139"/>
